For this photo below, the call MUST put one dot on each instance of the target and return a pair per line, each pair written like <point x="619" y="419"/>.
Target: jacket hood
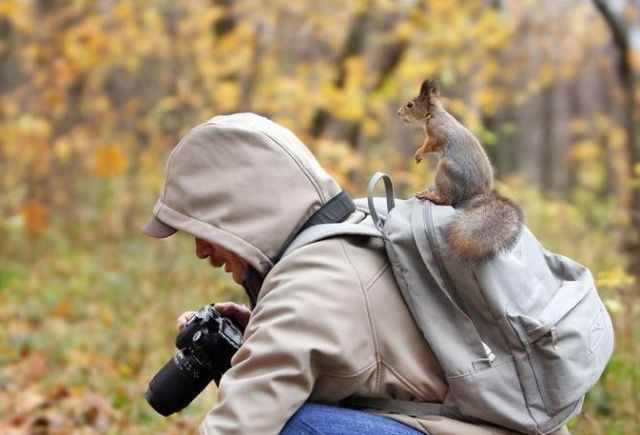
<point x="243" y="182"/>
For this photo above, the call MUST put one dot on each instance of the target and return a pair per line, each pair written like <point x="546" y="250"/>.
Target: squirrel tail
<point x="484" y="226"/>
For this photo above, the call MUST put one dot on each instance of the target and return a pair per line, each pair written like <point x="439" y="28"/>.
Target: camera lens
<point x="176" y="385"/>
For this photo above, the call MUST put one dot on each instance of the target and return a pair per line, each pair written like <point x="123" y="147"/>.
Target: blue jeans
<point x="317" y="419"/>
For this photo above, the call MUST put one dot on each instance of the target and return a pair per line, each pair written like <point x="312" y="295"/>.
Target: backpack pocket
<point x="492" y="395"/>
<point x="567" y="344"/>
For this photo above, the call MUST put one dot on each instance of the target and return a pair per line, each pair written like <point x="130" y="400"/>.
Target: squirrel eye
<point x="410" y="104"/>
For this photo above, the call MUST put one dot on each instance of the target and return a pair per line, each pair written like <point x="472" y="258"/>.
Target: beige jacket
<point x="330" y="321"/>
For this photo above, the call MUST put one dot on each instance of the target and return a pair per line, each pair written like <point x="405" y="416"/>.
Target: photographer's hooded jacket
<point x="329" y="321"/>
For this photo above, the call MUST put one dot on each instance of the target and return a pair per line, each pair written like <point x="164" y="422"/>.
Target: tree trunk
<point x="620" y="39"/>
<point x="547" y="149"/>
<point x="353" y="46"/>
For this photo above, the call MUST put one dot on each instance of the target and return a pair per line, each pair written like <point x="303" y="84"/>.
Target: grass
<point x="89" y="316"/>
<point x="98" y="320"/>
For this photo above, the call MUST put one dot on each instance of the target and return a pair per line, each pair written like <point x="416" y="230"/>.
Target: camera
<point x="205" y="347"/>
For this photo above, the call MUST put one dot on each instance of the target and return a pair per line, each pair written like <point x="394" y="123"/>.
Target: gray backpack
<point x="521" y="337"/>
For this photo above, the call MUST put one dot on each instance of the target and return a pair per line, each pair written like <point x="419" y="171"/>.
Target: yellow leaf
<point x="101" y="104"/>
<point x="371" y="127"/>
<point x="110" y="161"/>
<point x="457" y="106"/>
<point x="634" y="58"/>
<point x="106" y="316"/>
<point x="9" y="8"/>
<point x="35" y="216"/>
<point x="405" y="30"/>
<point x="547" y="74"/>
<point x="63" y="309"/>
<point x="578" y="126"/>
<point x="227" y="95"/>
<point x="124" y="11"/>
<point x="487" y="99"/>
<point x="351" y="108"/>
<point x="585" y="151"/>
<point x="614" y="278"/>
<point x="125" y="369"/>
<point x="614" y="306"/>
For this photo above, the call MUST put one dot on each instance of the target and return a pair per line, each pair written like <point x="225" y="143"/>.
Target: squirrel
<point x="486" y="223"/>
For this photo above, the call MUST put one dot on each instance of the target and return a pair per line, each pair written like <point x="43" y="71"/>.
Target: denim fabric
<point x="317" y="419"/>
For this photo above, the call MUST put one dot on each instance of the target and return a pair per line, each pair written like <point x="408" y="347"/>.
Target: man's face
<point x="218" y="256"/>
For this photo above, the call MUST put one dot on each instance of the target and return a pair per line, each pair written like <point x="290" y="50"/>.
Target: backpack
<point x="521" y="337"/>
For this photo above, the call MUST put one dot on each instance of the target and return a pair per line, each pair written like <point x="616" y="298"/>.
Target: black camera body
<point x="206" y="345"/>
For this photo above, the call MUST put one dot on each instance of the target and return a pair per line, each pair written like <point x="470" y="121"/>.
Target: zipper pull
<point x="490" y="355"/>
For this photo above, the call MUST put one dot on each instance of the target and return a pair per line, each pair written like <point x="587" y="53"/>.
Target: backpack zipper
<point x="432" y="237"/>
<point x="450" y="287"/>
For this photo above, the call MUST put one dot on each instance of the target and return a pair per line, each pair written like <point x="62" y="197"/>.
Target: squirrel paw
<point x="419" y="156"/>
<point x="432" y="196"/>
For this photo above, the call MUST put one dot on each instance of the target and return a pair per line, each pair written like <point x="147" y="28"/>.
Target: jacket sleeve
<point x="292" y="339"/>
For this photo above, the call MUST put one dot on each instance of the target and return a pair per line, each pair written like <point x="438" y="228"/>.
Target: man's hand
<point x="236" y="312"/>
<point x="184" y="318"/>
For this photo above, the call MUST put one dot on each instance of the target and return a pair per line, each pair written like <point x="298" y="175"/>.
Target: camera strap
<point x="251" y="283"/>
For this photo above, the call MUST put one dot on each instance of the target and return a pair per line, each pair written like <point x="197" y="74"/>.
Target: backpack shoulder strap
<point x="369" y="205"/>
<point x="325" y="231"/>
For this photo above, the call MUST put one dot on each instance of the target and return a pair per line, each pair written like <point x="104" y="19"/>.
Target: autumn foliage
<point x="93" y="95"/>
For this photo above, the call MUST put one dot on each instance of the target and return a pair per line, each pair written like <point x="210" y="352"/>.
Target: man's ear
<point x="429" y="87"/>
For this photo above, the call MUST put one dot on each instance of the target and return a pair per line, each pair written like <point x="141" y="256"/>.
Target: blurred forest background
<point x="93" y="95"/>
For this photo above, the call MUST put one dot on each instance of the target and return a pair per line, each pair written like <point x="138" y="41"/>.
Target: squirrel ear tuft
<point x="429" y="87"/>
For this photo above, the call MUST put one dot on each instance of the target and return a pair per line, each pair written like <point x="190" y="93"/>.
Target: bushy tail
<point x="484" y="226"/>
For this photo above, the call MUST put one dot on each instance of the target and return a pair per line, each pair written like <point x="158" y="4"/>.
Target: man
<point x="328" y="321"/>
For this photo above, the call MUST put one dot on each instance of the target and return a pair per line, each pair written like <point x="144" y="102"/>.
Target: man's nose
<point x="203" y="248"/>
